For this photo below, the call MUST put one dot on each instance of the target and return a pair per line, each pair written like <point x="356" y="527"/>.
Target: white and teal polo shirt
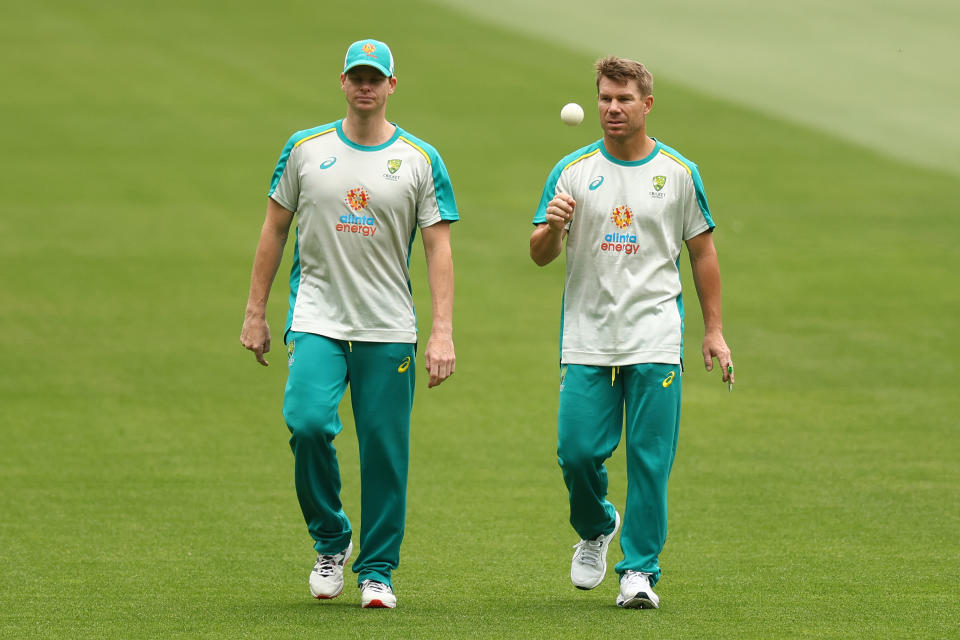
<point x="622" y="302"/>
<point x="358" y="209"/>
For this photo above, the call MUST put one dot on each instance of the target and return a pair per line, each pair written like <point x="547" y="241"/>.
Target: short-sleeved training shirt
<point x="358" y="211"/>
<point x="622" y="302"/>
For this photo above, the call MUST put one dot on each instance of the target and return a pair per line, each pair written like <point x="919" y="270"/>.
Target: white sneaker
<point x="377" y="595"/>
<point x="636" y="592"/>
<point x="326" y="579"/>
<point x="589" y="563"/>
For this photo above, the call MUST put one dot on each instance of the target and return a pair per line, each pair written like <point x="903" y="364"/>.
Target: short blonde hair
<point x="623" y="70"/>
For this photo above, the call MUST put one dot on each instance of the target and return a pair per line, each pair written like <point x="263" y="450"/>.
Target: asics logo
<point x="404" y="365"/>
<point x="329" y="162"/>
<point x="596" y="183"/>
<point x="668" y="380"/>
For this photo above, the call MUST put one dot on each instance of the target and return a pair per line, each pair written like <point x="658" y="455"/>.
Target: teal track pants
<point x="594" y="401"/>
<point x="381" y="378"/>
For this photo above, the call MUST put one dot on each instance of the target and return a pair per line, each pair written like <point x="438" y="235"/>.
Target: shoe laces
<point x="588" y="551"/>
<point x="379" y="587"/>
<point x="635" y="579"/>
<point x="328" y="565"/>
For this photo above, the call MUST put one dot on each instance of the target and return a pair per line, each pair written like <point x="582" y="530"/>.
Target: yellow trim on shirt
<point x="300" y="142"/>
<point x="677" y="160"/>
<point x="583" y="157"/>
<point x="412" y="144"/>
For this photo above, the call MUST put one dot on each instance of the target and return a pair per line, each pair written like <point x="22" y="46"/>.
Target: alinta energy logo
<point x="357" y="199"/>
<point x="625" y="243"/>
<point x="368" y="49"/>
<point x="622" y="216"/>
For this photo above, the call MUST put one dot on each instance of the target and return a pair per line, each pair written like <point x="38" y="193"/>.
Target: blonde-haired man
<point x="625" y="206"/>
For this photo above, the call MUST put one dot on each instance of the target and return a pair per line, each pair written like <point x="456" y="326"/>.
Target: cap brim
<point x="367" y="63"/>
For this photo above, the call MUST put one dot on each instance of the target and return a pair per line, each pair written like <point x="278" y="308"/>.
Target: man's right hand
<point x="560" y="211"/>
<point x="255" y="336"/>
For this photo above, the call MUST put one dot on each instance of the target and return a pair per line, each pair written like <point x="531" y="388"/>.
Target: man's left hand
<point x="714" y="346"/>
<point x="439" y="359"/>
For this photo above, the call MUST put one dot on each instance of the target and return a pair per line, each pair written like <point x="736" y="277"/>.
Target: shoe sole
<point x="606" y="547"/>
<point x="378" y="604"/>
<point x="638" y="602"/>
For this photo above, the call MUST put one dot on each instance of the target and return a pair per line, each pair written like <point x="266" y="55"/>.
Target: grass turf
<point x="824" y="65"/>
<point x="147" y="486"/>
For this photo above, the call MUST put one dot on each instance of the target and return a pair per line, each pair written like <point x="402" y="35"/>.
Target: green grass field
<point x="146" y="485"/>
<point x="873" y="73"/>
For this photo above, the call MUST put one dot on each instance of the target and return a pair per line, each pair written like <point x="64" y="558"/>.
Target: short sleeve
<point x="436" y="200"/>
<point x="549" y="191"/>
<point x="285" y="183"/>
<point x="696" y="214"/>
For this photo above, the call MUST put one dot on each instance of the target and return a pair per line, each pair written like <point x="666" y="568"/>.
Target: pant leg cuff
<point x="374" y="575"/>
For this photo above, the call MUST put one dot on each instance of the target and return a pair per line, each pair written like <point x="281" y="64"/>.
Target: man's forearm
<point x="439" y="257"/>
<point x="440" y="275"/>
<point x="266" y="262"/>
<point x="546" y="243"/>
<point x="706" y="278"/>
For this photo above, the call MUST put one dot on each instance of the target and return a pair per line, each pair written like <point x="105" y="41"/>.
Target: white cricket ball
<point x="571" y="114"/>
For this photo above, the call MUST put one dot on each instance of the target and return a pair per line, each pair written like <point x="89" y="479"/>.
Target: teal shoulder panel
<point x="551" y="185"/>
<point x="697" y="182"/>
<point x="294" y="140"/>
<point x="446" y="202"/>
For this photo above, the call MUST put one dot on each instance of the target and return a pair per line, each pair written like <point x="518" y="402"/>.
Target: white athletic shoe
<point x="636" y="592"/>
<point x="326" y="579"/>
<point x="589" y="563"/>
<point x="377" y="595"/>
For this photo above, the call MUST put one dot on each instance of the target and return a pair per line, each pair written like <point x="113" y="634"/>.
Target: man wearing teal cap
<point x="360" y="187"/>
<point x="369" y="53"/>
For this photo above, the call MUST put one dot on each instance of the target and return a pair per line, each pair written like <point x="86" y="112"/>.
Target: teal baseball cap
<point x="369" y="53"/>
